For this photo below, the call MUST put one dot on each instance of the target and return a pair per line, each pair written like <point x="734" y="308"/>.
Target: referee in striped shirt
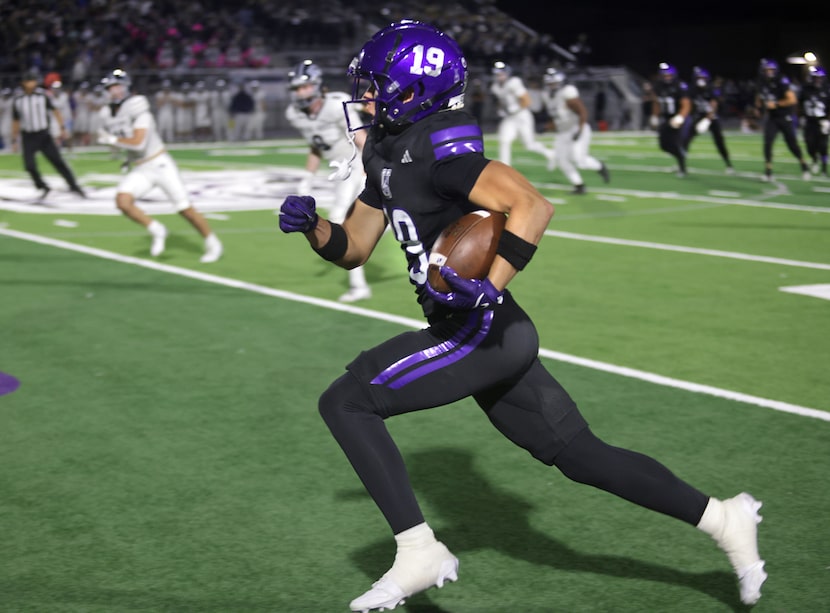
<point x="32" y="110"/>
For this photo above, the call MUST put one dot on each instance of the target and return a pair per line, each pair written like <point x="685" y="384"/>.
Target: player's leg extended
<point x="507" y="133"/>
<point x="527" y="133"/>
<point x="720" y="143"/>
<point x="583" y="159"/>
<point x="413" y="371"/>
<point x="563" y="148"/>
<point x="788" y="130"/>
<point x="770" y="132"/>
<point x="555" y="433"/>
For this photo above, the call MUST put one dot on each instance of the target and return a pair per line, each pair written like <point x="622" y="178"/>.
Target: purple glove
<point x="465" y="294"/>
<point x="298" y="214"/>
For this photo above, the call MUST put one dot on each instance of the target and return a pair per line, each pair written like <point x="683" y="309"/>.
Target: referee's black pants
<point x="42" y="141"/>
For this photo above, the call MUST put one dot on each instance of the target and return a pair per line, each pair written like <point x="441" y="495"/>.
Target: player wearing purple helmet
<point x="425" y="168"/>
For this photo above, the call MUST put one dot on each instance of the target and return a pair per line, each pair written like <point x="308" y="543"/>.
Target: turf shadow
<point x="486" y="510"/>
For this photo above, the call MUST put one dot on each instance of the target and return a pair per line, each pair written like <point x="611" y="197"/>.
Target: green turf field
<point x="164" y="453"/>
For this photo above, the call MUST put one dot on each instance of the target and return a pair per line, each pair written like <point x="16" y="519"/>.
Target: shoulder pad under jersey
<point x="135" y="106"/>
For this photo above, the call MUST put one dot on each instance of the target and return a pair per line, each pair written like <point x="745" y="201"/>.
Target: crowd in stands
<point x="84" y="38"/>
<point x="187" y="41"/>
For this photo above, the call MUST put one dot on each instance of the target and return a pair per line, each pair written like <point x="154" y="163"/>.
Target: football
<point x="468" y="245"/>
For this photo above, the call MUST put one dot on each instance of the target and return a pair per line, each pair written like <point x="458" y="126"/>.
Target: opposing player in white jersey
<point x="128" y="124"/>
<point x="573" y="132"/>
<point x="513" y="102"/>
<point x="320" y="119"/>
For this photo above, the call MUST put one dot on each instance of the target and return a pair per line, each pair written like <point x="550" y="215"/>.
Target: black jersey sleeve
<point x="455" y="177"/>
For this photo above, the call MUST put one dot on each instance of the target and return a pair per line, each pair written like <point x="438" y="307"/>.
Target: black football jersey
<point x="702" y="98"/>
<point x="421" y="178"/>
<point x="773" y="90"/>
<point x="815" y="101"/>
<point x="669" y="96"/>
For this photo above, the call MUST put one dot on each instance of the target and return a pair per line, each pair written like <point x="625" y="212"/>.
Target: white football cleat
<point x="159" y="241"/>
<point x="413" y="571"/>
<point x="213" y="250"/>
<point x="355" y="294"/>
<point x="738" y="537"/>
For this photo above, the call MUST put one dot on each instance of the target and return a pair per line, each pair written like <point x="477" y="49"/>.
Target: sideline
<point x="623" y="371"/>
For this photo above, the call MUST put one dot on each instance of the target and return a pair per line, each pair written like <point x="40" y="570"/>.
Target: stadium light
<point x="808" y="57"/>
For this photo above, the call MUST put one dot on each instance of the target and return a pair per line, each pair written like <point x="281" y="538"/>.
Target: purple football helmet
<point x="409" y="70"/>
<point x="701" y="73"/>
<point x="768" y="68"/>
<point x="667" y="72"/>
<point x="817" y="74"/>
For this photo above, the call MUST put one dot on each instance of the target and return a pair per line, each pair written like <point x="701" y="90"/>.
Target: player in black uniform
<point x="670" y="111"/>
<point x="705" y="102"/>
<point x="425" y="167"/>
<point x="815" y="105"/>
<point x="777" y="101"/>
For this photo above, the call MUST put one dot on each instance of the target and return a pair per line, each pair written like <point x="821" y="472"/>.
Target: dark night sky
<point x="726" y="38"/>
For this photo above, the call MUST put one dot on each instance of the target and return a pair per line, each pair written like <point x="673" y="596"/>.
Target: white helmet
<point x="117" y="77"/>
<point x="553" y="78"/>
<point x="302" y="74"/>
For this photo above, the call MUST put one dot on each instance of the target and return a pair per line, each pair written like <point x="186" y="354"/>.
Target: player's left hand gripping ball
<point x="466" y="294"/>
<point x="298" y="214"/>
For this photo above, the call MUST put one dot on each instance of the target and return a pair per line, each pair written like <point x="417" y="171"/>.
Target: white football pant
<point x="519" y="125"/>
<point x="572" y="154"/>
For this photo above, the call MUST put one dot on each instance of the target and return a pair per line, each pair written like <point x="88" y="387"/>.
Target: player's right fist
<point x="298" y="214"/>
<point x="654" y="121"/>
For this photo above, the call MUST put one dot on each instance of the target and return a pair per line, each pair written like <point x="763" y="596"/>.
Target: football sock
<point x="415" y="537"/>
<point x="155" y="228"/>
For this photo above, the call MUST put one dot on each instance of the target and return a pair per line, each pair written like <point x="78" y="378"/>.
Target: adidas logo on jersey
<point x="406" y="159"/>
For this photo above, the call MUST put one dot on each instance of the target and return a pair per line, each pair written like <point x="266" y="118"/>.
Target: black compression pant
<point x="815" y="141"/>
<point x="42" y="141"/>
<point x="784" y="125"/>
<point x="717" y="135"/>
<point x="363" y="436"/>
<point x="671" y="141"/>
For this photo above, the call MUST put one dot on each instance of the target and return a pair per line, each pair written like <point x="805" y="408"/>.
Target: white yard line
<point x="734" y="255"/>
<point x="639" y="193"/>
<point x="623" y="371"/>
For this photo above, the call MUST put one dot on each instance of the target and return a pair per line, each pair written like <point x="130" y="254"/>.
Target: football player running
<point x="425" y="165"/>
<point x="815" y="104"/>
<point x="319" y="118"/>
<point x="573" y="132"/>
<point x="513" y="104"/>
<point x="670" y="111"/>
<point x="128" y="124"/>
<point x="705" y="100"/>
<point x="776" y="102"/>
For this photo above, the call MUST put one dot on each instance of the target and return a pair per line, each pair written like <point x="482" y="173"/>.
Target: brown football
<point x="468" y="245"/>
